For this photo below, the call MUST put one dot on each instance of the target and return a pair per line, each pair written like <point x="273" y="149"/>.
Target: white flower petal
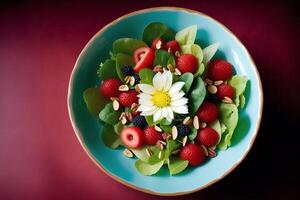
<point x="145" y="108"/>
<point x="180" y="109"/>
<point x="157" y="115"/>
<point x="146" y="88"/>
<point x="179" y="102"/>
<point x="168" y="80"/>
<point x="146" y="102"/>
<point x="176" y="87"/>
<point x="150" y="112"/>
<point x="164" y="112"/>
<point x="157" y="81"/>
<point x="144" y="96"/>
<point x="170" y="114"/>
<point x="177" y="95"/>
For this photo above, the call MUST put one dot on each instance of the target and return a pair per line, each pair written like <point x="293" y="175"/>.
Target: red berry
<point x="208" y="137"/>
<point x="187" y="63"/>
<point x="127" y="98"/>
<point x="132" y="137"/>
<point x="143" y="57"/>
<point x="208" y="112"/>
<point x="110" y="87"/>
<point x="219" y="70"/>
<point x="151" y="136"/>
<point x="157" y="43"/>
<point x="193" y="153"/>
<point x="173" y="46"/>
<point x="225" y="90"/>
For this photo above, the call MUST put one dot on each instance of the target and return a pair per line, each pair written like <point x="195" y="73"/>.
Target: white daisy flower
<point x="162" y="99"/>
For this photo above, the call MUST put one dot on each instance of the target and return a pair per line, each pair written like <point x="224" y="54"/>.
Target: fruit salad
<point x="166" y="100"/>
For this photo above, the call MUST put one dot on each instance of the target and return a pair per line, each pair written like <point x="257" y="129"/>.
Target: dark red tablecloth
<point x="40" y="157"/>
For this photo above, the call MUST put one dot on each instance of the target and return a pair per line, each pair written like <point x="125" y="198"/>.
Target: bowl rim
<point x="78" y="133"/>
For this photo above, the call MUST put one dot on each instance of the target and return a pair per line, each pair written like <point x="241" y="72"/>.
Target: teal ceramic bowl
<point x="121" y="168"/>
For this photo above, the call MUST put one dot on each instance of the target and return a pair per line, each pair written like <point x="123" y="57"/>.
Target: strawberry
<point x="110" y="87"/>
<point x="193" y="153"/>
<point x="132" y="137"/>
<point x="208" y="112"/>
<point x="208" y="137"/>
<point x="173" y="46"/>
<point x="143" y="57"/>
<point x="151" y="136"/>
<point x="219" y="70"/>
<point x="127" y="98"/>
<point x="225" y="90"/>
<point x="187" y="63"/>
<point x="157" y="43"/>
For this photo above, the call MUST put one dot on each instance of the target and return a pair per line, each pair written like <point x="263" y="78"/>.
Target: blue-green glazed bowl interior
<point x="113" y="162"/>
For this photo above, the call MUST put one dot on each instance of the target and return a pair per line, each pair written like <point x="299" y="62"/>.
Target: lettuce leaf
<point x="239" y="83"/>
<point x="187" y="35"/>
<point x="127" y="45"/>
<point x="209" y="52"/>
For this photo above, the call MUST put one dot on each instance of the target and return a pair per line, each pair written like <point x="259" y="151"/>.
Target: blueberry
<point x="128" y="71"/>
<point x="137" y="78"/>
<point x="183" y="130"/>
<point x="139" y="121"/>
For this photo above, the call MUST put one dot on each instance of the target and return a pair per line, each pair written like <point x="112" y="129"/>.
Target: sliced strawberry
<point x="225" y="90"/>
<point x="208" y="112"/>
<point x="132" y="137"/>
<point x="151" y="136"/>
<point x="157" y="43"/>
<point x="173" y="46"/>
<point x="193" y="153"/>
<point x="127" y="98"/>
<point x="219" y="70"/>
<point x="110" y="87"/>
<point x="143" y="57"/>
<point x="187" y="63"/>
<point x="208" y="137"/>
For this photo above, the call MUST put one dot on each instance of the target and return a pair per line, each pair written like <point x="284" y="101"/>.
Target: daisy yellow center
<point x="161" y="99"/>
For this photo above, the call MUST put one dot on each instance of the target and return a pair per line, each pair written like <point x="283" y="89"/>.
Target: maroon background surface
<point x="40" y="157"/>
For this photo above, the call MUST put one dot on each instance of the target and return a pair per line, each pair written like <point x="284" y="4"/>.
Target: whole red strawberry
<point x="208" y="112"/>
<point x="193" y="153"/>
<point x="173" y="46"/>
<point x="219" y="70"/>
<point x="110" y="87"/>
<point x="187" y="63"/>
<point x="151" y="136"/>
<point x="208" y="137"/>
<point x="127" y="98"/>
<point x="225" y="90"/>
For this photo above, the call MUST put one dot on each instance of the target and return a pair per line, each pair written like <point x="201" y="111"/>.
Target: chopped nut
<point x="132" y="80"/>
<point x="162" y="142"/>
<point x="217" y="83"/>
<point x="134" y="107"/>
<point x="137" y="88"/>
<point x="184" y="140"/>
<point x="227" y="100"/>
<point x="116" y="105"/>
<point x="208" y="81"/>
<point x="158" y="129"/>
<point x="204" y="150"/>
<point x="187" y="121"/>
<point x="160" y="155"/>
<point x="196" y="122"/>
<point x="166" y="136"/>
<point x="177" y="72"/>
<point x="169" y="50"/>
<point x="129" y="116"/>
<point x="212" y="89"/>
<point x="158" y="44"/>
<point x="123" y="88"/>
<point x="122" y="115"/>
<point x="211" y="153"/>
<point x="158" y="68"/>
<point x="171" y="67"/>
<point x="174" y="132"/>
<point x="124" y="120"/>
<point x="202" y="125"/>
<point x="160" y="145"/>
<point x="114" y="98"/>
<point x="127" y="79"/>
<point x="149" y="152"/>
<point x="176" y="151"/>
<point x="177" y="53"/>
<point x="127" y="153"/>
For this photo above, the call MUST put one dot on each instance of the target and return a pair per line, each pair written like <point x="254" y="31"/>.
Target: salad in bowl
<point x="166" y="100"/>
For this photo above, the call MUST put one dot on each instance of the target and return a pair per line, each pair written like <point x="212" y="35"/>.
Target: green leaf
<point x="239" y="84"/>
<point x="209" y="52"/>
<point x="217" y="127"/>
<point x="94" y="100"/>
<point x="176" y="165"/>
<point x="109" y="137"/>
<point x="146" y="76"/>
<point x="127" y="45"/>
<point x="118" y="127"/>
<point x="229" y="117"/>
<point x="193" y="134"/>
<point x="200" y="70"/>
<point x="166" y="128"/>
<point x="187" y="35"/>
<point x="172" y="61"/>
<point x="162" y="58"/>
<point x="171" y="146"/>
<point x="141" y="153"/>
<point x="109" y="115"/>
<point x="196" y="95"/>
<point x="165" y="122"/>
<point x="149" y="120"/>
<point x="242" y="101"/>
<point x="157" y="30"/>
<point x="154" y="157"/>
<point x="187" y="78"/>
<point x="148" y="169"/>
<point x="108" y="70"/>
<point x="123" y="60"/>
